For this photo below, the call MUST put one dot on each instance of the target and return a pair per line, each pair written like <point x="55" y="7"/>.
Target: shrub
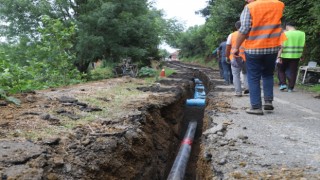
<point x="147" y="72"/>
<point x="100" y="73"/>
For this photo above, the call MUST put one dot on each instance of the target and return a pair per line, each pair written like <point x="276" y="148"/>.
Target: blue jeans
<point x="226" y="70"/>
<point x="237" y="80"/>
<point x="220" y="69"/>
<point x="260" y="66"/>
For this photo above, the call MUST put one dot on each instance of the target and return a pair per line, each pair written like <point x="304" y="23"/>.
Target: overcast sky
<point x="183" y="10"/>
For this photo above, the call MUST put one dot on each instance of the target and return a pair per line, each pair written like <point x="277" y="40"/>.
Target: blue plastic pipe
<point x="197" y="81"/>
<point x="196" y="102"/>
<point x="180" y="164"/>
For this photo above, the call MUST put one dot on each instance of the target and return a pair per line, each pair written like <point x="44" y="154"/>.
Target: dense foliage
<point x="52" y="43"/>
<point x="192" y="42"/>
<point x="39" y="64"/>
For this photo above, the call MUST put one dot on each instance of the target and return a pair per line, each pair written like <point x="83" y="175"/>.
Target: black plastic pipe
<point x="180" y="163"/>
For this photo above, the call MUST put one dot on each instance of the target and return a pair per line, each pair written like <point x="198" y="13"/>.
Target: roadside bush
<point x="147" y="72"/>
<point x="100" y="73"/>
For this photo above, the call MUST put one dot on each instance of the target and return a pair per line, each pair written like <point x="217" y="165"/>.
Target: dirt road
<point x="281" y="144"/>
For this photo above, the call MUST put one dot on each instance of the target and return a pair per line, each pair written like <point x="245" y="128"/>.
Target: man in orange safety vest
<point x="261" y="29"/>
<point x="237" y="63"/>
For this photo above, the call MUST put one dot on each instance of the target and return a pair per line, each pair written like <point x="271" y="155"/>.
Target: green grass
<point x="201" y="61"/>
<point x="311" y="88"/>
<point x="316" y="88"/>
<point x="151" y="80"/>
<point x="168" y="71"/>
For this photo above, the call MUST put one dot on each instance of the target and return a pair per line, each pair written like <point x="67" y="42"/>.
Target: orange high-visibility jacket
<point x="266" y="31"/>
<point x="234" y="36"/>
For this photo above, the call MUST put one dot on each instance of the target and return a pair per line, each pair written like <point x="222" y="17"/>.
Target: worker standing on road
<point x="261" y="29"/>
<point x="289" y="56"/>
<point x="237" y="64"/>
<point x="226" y="67"/>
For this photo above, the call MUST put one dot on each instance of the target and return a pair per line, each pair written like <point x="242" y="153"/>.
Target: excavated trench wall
<point x="141" y="145"/>
<point x="143" y="150"/>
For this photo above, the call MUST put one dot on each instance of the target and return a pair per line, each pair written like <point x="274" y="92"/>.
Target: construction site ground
<point x="129" y="128"/>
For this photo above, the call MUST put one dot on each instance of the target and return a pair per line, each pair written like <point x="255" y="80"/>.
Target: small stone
<point x="214" y="130"/>
<point x="31" y="99"/>
<point x="243" y="164"/>
<point x="9" y="116"/>
<point x="52" y="141"/>
<point x="45" y="116"/>
<point x="3" y="103"/>
<point x="208" y="157"/>
<point x="6" y="147"/>
<point x="52" y="176"/>
<point x="86" y="142"/>
<point x="68" y="167"/>
<point x="220" y="133"/>
<point x="58" y="161"/>
<point x="65" y="99"/>
<point x="243" y="137"/>
<point x="222" y="161"/>
<point x="223" y="143"/>
<point x="233" y="149"/>
<point x="232" y="143"/>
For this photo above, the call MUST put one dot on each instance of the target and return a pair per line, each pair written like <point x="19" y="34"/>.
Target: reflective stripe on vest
<point x="266" y="31"/>
<point x="292" y="49"/>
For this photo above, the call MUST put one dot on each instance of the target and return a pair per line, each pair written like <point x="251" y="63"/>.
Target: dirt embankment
<point x="112" y="129"/>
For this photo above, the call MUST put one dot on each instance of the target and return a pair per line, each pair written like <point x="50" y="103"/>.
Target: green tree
<point x="106" y="29"/>
<point x="23" y="17"/>
<point x="47" y="62"/>
<point x="191" y="42"/>
<point x="113" y="29"/>
<point x="221" y="21"/>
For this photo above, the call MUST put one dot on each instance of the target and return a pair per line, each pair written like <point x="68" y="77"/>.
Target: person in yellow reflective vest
<point x="289" y="56"/>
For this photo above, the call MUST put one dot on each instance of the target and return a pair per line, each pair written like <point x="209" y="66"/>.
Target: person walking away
<point x="237" y="64"/>
<point x="261" y="29"/>
<point x="290" y="55"/>
<point x="226" y="67"/>
<point x="215" y="54"/>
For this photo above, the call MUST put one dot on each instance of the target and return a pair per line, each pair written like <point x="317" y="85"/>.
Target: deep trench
<point x="190" y="113"/>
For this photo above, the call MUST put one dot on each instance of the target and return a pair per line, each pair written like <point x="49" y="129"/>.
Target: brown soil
<point x="112" y="129"/>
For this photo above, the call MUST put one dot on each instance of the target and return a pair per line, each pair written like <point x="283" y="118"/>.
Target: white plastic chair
<point x="311" y="64"/>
